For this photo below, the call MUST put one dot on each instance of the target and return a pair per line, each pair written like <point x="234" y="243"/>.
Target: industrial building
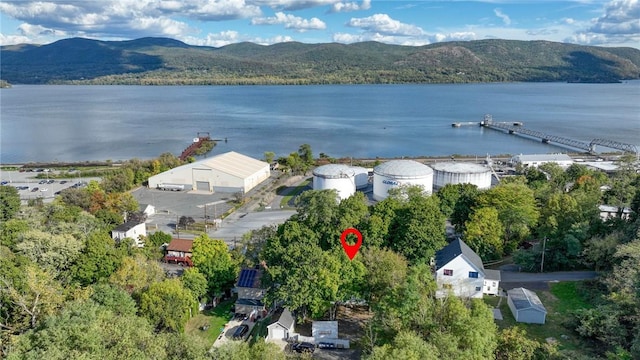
<point x="227" y="173"/>
<point x="535" y="160"/>
<point x="337" y="177"/>
<point x="395" y="173"/>
<point x="461" y="173"/>
<point x="362" y="177"/>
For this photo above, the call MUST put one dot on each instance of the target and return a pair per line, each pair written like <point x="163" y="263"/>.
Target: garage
<point x="227" y="173"/>
<point x="526" y="306"/>
<point x="202" y="186"/>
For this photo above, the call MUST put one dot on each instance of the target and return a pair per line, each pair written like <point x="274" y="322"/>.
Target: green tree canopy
<point x="9" y="202"/>
<point x="517" y="210"/>
<point x="213" y="260"/>
<point x="168" y="305"/>
<point x="484" y="233"/>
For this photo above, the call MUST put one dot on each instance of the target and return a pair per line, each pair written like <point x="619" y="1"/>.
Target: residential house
<point x="179" y="251"/>
<point x="526" y="306"/>
<point x="283" y="325"/>
<point x="459" y="270"/>
<point x="608" y="211"/>
<point x="133" y="229"/>
<point x="250" y="292"/>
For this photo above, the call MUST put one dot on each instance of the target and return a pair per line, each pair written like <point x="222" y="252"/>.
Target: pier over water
<point x="517" y="128"/>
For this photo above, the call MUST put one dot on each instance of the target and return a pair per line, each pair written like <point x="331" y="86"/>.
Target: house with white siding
<point x="459" y="271"/>
<point x="132" y="230"/>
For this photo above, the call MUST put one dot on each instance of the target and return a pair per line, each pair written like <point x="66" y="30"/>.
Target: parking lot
<point x="29" y="187"/>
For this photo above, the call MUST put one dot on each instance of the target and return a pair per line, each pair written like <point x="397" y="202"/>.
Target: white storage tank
<point x="461" y="173"/>
<point x="395" y="173"/>
<point x="362" y="177"/>
<point x="334" y="176"/>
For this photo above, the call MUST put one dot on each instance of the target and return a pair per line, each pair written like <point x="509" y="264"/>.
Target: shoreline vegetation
<point x="164" y="61"/>
<point x="321" y="161"/>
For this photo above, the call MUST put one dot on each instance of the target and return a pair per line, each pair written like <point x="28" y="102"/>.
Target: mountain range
<point x="164" y="61"/>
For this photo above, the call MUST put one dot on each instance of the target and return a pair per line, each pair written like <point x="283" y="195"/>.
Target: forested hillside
<point x="166" y="61"/>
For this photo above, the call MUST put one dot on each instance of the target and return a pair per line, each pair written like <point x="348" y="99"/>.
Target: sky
<point x="222" y="22"/>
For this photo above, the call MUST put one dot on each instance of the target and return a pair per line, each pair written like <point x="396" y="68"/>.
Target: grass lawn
<point x="563" y="298"/>
<point x="214" y="318"/>
<point x="295" y="192"/>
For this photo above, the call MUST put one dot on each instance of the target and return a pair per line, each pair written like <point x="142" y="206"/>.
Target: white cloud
<point x="620" y="17"/>
<point x="384" y="24"/>
<point x="505" y="18"/>
<point x="425" y="39"/>
<point x="292" y="4"/>
<point x="291" y="22"/>
<point x="272" y="40"/>
<point x="351" y="6"/>
<point x="125" y="18"/>
<point x="568" y="21"/>
<point x="13" y="39"/>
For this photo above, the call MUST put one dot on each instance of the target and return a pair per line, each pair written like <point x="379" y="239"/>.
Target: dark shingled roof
<point x="455" y="248"/>
<point x="128" y="225"/>
<point x="251" y="302"/>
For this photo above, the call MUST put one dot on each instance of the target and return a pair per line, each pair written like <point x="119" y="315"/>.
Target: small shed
<point x="147" y="209"/>
<point x="282" y="327"/>
<point x="526" y="306"/>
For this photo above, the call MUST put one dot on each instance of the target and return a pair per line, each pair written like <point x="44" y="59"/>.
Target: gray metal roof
<point x="454" y="249"/>
<point x="543" y="157"/>
<point x="460" y="167"/>
<point x="403" y="169"/>
<point x="334" y="171"/>
<point x="490" y="274"/>
<point x="525" y="299"/>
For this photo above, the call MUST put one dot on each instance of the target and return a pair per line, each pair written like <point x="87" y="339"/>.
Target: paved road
<point x="509" y="276"/>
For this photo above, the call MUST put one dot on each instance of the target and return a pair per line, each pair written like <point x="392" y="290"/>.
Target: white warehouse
<point x="335" y="176"/>
<point x="395" y="173"/>
<point x="227" y="173"/>
<point x="461" y="173"/>
<point x="536" y="160"/>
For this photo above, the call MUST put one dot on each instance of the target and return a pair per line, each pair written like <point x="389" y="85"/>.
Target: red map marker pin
<point x="351" y="250"/>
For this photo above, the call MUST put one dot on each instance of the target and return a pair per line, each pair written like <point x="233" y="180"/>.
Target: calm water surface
<point x="75" y="123"/>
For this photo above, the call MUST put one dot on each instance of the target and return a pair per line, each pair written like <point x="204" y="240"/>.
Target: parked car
<point x="42" y="182"/>
<point x="51" y="181"/>
<point x="4" y="182"/>
<point x="63" y="182"/>
<point x="35" y="189"/>
<point x="303" y="347"/>
<point x="326" y="345"/>
<point x="44" y="189"/>
<point x="241" y="331"/>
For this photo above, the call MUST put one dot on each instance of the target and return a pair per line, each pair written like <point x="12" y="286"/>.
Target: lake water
<point x="77" y="123"/>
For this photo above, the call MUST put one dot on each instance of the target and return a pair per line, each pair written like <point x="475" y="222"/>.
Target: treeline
<point x="168" y="62"/>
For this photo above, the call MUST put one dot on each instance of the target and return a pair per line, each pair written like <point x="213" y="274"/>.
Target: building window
<point x="448" y="272"/>
<point x="473" y="274"/>
<point x="494" y="283"/>
<point x="478" y="288"/>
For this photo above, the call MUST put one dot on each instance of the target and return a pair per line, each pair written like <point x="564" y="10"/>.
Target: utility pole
<point x="178" y="226"/>
<point x="544" y="243"/>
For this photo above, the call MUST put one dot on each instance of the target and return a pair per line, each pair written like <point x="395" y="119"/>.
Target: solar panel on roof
<point x="247" y="277"/>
